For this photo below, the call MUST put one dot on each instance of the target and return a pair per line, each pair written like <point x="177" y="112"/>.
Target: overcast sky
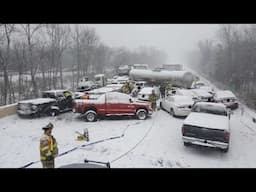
<point x="174" y="39"/>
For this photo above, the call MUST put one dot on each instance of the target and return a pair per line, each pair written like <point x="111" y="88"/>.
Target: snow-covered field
<point x="153" y="143"/>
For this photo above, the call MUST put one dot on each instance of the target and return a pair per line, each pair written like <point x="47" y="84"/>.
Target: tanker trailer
<point x="177" y="78"/>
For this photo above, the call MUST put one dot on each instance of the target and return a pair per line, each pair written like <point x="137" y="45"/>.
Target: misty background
<point x="37" y="57"/>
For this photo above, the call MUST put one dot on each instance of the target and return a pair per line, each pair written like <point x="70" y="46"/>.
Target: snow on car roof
<point x="99" y="99"/>
<point x="224" y="94"/>
<point x="117" y="97"/>
<point x="102" y="90"/>
<point x="38" y="101"/>
<point x="207" y="120"/>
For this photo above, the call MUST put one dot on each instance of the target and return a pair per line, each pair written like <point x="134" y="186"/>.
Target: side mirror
<point x="130" y="100"/>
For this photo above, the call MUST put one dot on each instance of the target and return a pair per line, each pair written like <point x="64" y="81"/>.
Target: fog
<point x="175" y="39"/>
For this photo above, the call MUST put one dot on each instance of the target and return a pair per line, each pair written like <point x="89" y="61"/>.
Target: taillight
<point x="227" y="136"/>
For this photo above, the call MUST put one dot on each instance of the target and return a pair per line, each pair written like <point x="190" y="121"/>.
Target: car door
<point x="126" y="105"/>
<point x="164" y="103"/>
<point x="112" y="105"/>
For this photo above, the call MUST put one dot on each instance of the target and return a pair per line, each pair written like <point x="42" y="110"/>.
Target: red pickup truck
<point x="112" y="103"/>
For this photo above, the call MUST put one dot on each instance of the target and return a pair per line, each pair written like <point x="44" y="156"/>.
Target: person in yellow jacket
<point x="48" y="147"/>
<point x="131" y="86"/>
<point x="69" y="101"/>
<point x="125" y="88"/>
<point x="168" y="88"/>
<point x="152" y="99"/>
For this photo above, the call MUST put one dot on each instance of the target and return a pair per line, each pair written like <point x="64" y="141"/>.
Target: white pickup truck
<point x="208" y="125"/>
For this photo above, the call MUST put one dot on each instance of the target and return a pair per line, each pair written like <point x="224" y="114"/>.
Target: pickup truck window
<point x="216" y="110"/>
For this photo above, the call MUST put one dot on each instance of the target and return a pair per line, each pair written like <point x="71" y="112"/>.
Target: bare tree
<point x="29" y="31"/>
<point x="8" y="29"/>
<point x="62" y="36"/>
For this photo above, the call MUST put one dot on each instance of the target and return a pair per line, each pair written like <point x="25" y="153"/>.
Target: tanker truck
<point x="177" y="78"/>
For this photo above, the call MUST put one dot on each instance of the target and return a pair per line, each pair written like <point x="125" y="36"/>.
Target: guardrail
<point x="8" y="110"/>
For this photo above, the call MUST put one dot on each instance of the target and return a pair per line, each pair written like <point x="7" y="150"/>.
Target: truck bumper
<point x="206" y="143"/>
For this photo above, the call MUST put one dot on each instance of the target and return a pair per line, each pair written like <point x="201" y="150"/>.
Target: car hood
<point x="207" y="120"/>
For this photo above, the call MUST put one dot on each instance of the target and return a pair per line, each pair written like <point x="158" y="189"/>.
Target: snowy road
<point x="153" y="143"/>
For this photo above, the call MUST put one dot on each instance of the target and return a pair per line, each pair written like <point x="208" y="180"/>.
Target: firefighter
<point x="162" y="91"/>
<point x="152" y="100"/>
<point x="67" y="94"/>
<point x="131" y="86"/>
<point x="168" y="88"/>
<point x="69" y="101"/>
<point x="48" y="147"/>
<point x="125" y="88"/>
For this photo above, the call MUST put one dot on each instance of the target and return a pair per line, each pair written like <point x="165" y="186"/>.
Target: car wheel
<point x="90" y="116"/>
<point x="172" y="112"/>
<point x="141" y="114"/>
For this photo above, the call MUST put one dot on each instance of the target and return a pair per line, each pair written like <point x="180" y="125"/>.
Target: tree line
<point x="37" y="57"/>
<point x="230" y="60"/>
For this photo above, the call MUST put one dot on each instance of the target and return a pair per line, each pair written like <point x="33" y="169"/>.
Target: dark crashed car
<point x="51" y="104"/>
<point x="37" y="107"/>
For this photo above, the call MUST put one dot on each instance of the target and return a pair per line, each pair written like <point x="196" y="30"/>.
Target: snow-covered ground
<point x="152" y="143"/>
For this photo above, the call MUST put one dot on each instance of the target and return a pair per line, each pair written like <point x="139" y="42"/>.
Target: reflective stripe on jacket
<point x="48" y="147"/>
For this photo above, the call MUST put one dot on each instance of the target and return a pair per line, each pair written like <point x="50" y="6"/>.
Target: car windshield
<point x="212" y="109"/>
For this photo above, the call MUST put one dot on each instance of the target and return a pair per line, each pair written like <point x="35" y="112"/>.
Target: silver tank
<point x="177" y="78"/>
